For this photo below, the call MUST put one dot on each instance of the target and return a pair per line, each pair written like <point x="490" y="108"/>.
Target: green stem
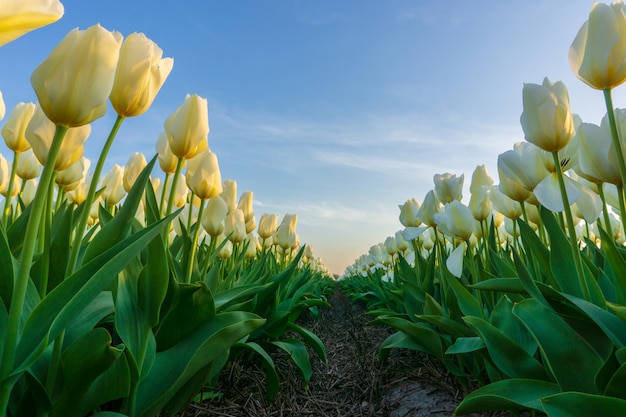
<point x="84" y="217"/>
<point x="163" y="191"/>
<point x="622" y="208"/>
<point x="605" y="211"/>
<point x="23" y="273"/>
<point x="194" y="243"/>
<point x="570" y="226"/>
<point x="7" y="199"/>
<point x="608" y="99"/>
<point x="170" y="201"/>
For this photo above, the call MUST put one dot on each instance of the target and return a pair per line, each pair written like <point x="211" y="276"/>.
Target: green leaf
<point x="468" y="304"/>
<point x="618" y="263"/>
<point x="560" y="347"/>
<point x="6" y="266"/>
<point x="118" y="228"/>
<point x="507" y="355"/>
<point x="177" y="365"/>
<point x="60" y="307"/>
<point x="503" y="319"/>
<point x="429" y="341"/>
<point x="311" y="339"/>
<point x="466" y="345"/>
<point x="271" y="376"/>
<point x="81" y="364"/>
<point x="296" y="349"/>
<point x="577" y="404"/>
<point x="537" y="249"/>
<point x="509" y="394"/>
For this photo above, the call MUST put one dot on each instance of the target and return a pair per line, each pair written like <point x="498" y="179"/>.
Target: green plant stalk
<point x="194" y="243"/>
<point x="84" y="217"/>
<point x="170" y="200"/>
<point x="23" y="273"/>
<point x="162" y="197"/>
<point x="47" y="232"/>
<point x="605" y="212"/>
<point x="608" y="99"/>
<point x="7" y="200"/>
<point x="622" y="208"/>
<point x="570" y="226"/>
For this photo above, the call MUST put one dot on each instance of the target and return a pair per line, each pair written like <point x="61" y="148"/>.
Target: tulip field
<point x="130" y="292"/>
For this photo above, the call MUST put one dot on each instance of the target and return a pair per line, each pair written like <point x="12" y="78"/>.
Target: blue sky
<point x="336" y="110"/>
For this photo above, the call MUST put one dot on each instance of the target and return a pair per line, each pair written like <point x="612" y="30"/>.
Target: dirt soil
<point x="353" y="382"/>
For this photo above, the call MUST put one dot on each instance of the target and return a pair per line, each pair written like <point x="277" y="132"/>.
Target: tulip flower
<point x="229" y="194"/>
<point x="187" y="128"/>
<point x="250" y="224"/>
<point x="523" y="164"/>
<point x="14" y="129"/>
<point x="74" y="82"/>
<point x="408" y="213"/>
<point x="503" y="204"/>
<point x="245" y="204"/>
<point x="448" y="187"/>
<point x="40" y="132"/>
<point x="203" y="175"/>
<point x="28" y="167"/>
<point x="167" y="160"/>
<point x="267" y="225"/>
<point x="390" y="245"/>
<point x="71" y="176"/>
<point x="79" y="193"/>
<point x="252" y="247"/>
<point x="547" y="120"/>
<point x="136" y="163"/>
<point x="235" y="226"/>
<point x="3" y="108"/>
<point x="598" y="54"/>
<point x="480" y="204"/>
<point x="113" y="184"/>
<point x="214" y="216"/>
<point x="286" y="232"/>
<point x="480" y="178"/>
<point x="5" y="170"/>
<point x="18" y="17"/>
<point x="141" y="72"/>
<point x="456" y="220"/>
<point x="430" y="206"/>
<point x="227" y="250"/>
<point x="29" y="188"/>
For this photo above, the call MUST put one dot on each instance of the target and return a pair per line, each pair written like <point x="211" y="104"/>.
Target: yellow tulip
<point x="245" y="204"/>
<point x="229" y="194"/>
<point x="214" y="216"/>
<point x="547" y="119"/>
<point x="18" y="17"/>
<point x="456" y="220"/>
<point x="75" y="80"/>
<point x="187" y="128"/>
<point x="71" y="176"/>
<point x="203" y="175"/>
<point x="3" y="108"/>
<point x="113" y="184"/>
<point x="598" y="54"/>
<point x="167" y="160"/>
<point x="286" y="233"/>
<point x="430" y="206"/>
<point x="267" y="225"/>
<point x="28" y="167"/>
<point x="136" y="163"/>
<point x="141" y="72"/>
<point x="408" y="213"/>
<point x="235" y="226"/>
<point x="39" y="134"/>
<point x="480" y="178"/>
<point x="448" y="187"/>
<point x="14" y="129"/>
<point x="5" y="171"/>
<point x="28" y="192"/>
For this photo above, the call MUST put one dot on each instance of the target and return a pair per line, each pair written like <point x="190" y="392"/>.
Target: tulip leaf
<point x="466" y="345"/>
<point x="426" y="338"/>
<point x="297" y="351"/>
<point x="60" y="307"/>
<point x="509" y="394"/>
<point x="560" y="347"/>
<point x="468" y="304"/>
<point x="507" y="355"/>
<point x="174" y="367"/>
<point x="503" y="319"/>
<point x="6" y="266"/>
<point x="537" y="249"/>
<point x="576" y="404"/>
<point x="618" y="263"/>
<point x="311" y="339"/>
<point x="447" y="325"/>
<point x="271" y="376"/>
<point x="99" y="308"/>
<point x="81" y="364"/>
<point x="118" y="228"/>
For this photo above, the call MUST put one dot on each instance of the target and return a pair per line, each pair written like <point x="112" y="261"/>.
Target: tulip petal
<point x="411" y="233"/>
<point x="549" y="195"/>
<point x="455" y="261"/>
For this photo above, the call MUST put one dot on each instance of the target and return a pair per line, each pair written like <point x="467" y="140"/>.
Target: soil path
<point x="353" y="382"/>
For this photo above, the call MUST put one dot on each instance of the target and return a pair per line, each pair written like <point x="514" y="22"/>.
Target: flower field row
<point x="522" y="289"/>
<point x="126" y="293"/>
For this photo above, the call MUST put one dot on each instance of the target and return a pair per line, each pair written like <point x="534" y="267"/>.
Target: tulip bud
<point x="72" y="175"/>
<point x="141" y="72"/>
<point x="457" y="219"/>
<point x="408" y="213"/>
<point x="19" y="17"/>
<point x="113" y="184"/>
<point x="480" y="204"/>
<point x="214" y="216"/>
<point x="227" y="250"/>
<point x="430" y="206"/>
<point x="448" y="187"/>
<point x="136" y="163"/>
<point x="524" y="164"/>
<point x="79" y="193"/>
<point x="28" y="192"/>
<point x="5" y="172"/>
<point x="286" y="232"/>
<point x="14" y="130"/>
<point x="187" y="128"/>
<point x="235" y="226"/>
<point x="547" y="120"/>
<point x="3" y="108"/>
<point x="245" y="204"/>
<point x="594" y="162"/>
<point x="28" y="167"/>
<point x="390" y="245"/>
<point x="267" y="225"/>
<point x="598" y="54"/>
<point x="40" y="132"/>
<point x="167" y="160"/>
<point x="229" y="194"/>
<point x="251" y="225"/>
<point x="203" y="175"/>
<point x="253" y="246"/>
<point x="504" y="205"/>
<point x="480" y="178"/>
<point x="73" y="83"/>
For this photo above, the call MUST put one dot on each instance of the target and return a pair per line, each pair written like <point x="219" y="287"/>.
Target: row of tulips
<point x="128" y="294"/>
<point x="523" y="289"/>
